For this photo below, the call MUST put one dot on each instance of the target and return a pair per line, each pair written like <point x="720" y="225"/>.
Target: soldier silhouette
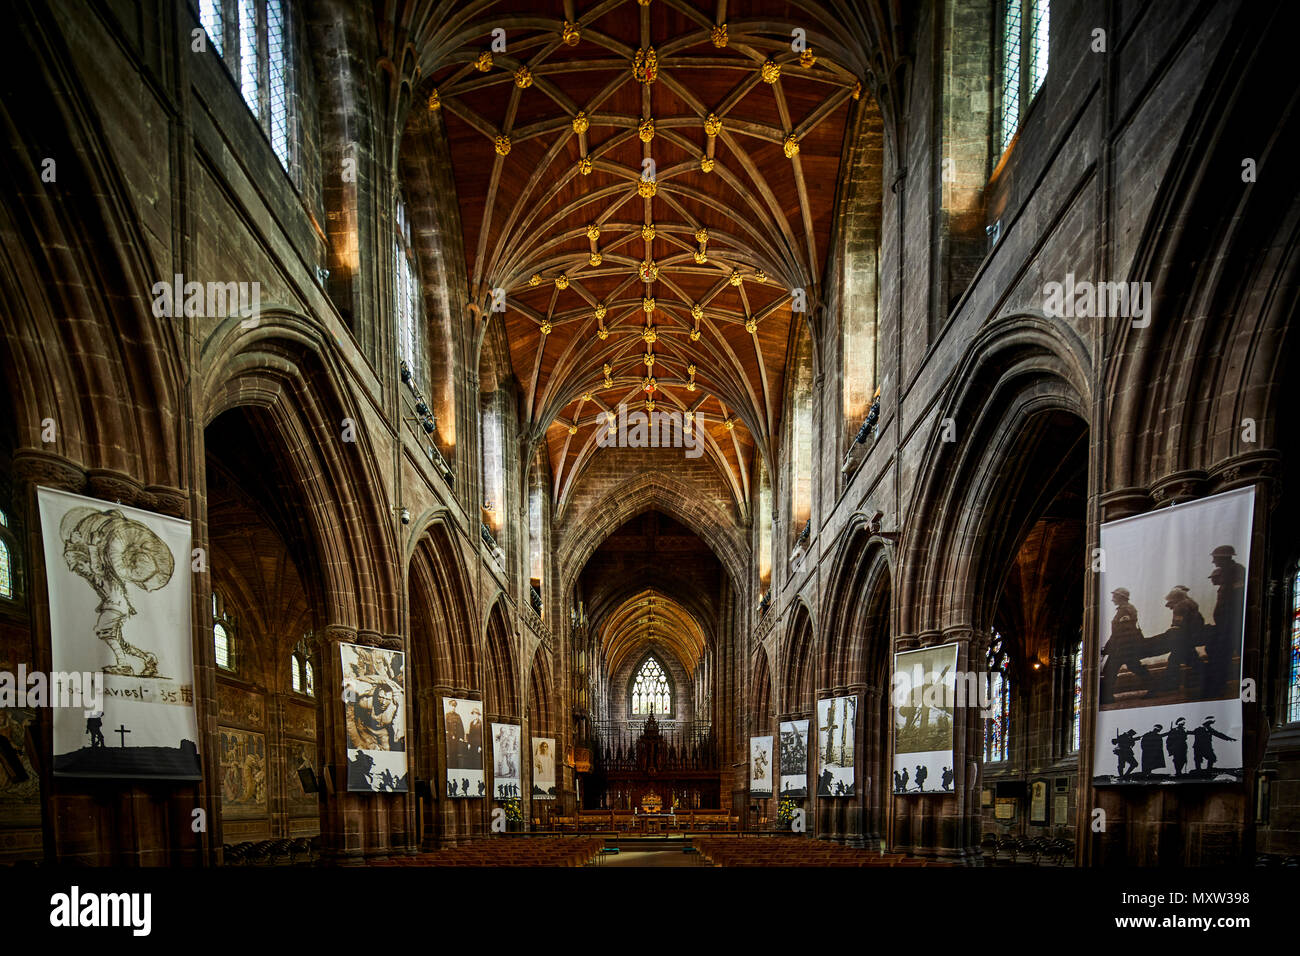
<point x="1153" y="751"/>
<point x="1124" y="744"/>
<point x="1124" y="646"/>
<point x="904" y="786"/>
<point x="1176" y="744"/>
<point x="95" y="727"/>
<point x="1203" y="744"/>
<point x="1223" y="639"/>
<point x="947" y="778"/>
<point x="1185" y="632"/>
<point x="921" y="774"/>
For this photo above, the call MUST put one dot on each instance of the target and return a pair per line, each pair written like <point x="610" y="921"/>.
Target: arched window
<point x="301" y="673"/>
<point x="801" y="440"/>
<point x="997" y="731"/>
<point x="1076" y="699"/>
<point x="7" y="588"/>
<point x="1293" y="694"/>
<point x="1025" y="32"/>
<point x="260" y="55"/>
<point x="651" y="692"/>
<point x="223" y="641"/>
<point x="406" y="304"/>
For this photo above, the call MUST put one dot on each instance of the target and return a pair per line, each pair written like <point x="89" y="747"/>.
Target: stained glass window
<point x="1293" y="702"/>
<point x="1041" y="25"/>
<point x="210" y="15"/>
<point x="650" y="691"/>
<point x="997" y="730"/>
<point x="4" y="520"/>
<point x="1076" y="711"/>
<point x="6" y="572"/>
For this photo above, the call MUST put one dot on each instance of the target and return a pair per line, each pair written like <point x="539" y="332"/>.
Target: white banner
<point x="794" y="758"/>
<point x="761" y="766"/>
<point x="505" y="761"/>
<point x="544" y="768"/>
<point x="1172" y="614"/>
<point x="119" y="591"/>
<point x="924" y="685"/>
<point x="374" y="708"/>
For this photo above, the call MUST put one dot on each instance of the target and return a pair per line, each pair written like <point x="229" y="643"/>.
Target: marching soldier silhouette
<point x="1203" y="743"/>
<point x="1153" y="751"/>
<point x="1124" y="744"/>
<point x="1123" y="648"/>
<point x="921" y="774"/>
<point x="1176" y="744"/>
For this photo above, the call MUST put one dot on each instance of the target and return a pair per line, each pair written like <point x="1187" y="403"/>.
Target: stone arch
<point x="651" y="492"/>
<point x="279" y="368"/>
<point x="1020" y="369"/>
<point x="501" y="678"/>
<point x="799" y="680"/>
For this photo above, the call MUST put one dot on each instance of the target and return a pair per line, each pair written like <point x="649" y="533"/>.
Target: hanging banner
<point x="463" y="723"/>
<point x="119" y="591"/>
<point x="1172" y="614"/>
<point x="374" y="703"/>
<point x="760" y="766"/>
<point x="544" y="768"/>
<point x="924" y="695"/>
<point x="505" y="761"/>
<point x="836" y="725"/>
<point x="794" y="758"/>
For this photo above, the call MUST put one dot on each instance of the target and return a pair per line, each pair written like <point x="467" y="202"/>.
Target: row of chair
<point x="302" y="851"/>
<point x="626" y="821"/>
<point x="797" y="851"/>
<point x="1030" y="851"/>
<point x="563" y="851"/>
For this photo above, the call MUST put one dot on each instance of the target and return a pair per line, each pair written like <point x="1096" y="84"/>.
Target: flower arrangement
<point x="514" y="812"/>
<point x="785" y="810"/>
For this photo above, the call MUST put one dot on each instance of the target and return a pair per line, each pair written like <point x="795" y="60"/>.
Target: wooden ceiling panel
<point x="574" y="116"/>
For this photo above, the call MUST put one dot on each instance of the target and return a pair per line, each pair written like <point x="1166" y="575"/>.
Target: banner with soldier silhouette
<point x="119" y="587"/>
<point x="505" y="762"/>
<point x="374" y="708"/>
<point x="1173" y="610"/>
<point x="836" y="752"/>
<point x="794" y="758"/>
<point x="924" y="684"/>
<point x="760" y="766"/>
<point x="463" y="723"/>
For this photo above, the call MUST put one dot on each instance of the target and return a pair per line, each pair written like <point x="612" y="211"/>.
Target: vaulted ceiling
<point x="650" y="185"/>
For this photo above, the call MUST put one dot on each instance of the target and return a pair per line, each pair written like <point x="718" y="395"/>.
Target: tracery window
<point x="406" y="290"/>
<point x="1293" y="694"/>
<point x="997" y="730"/>
<point x="302" y="675"/>
<point x="1076" y="702"/>
<point x="6" y="561"/>
<point x="651" y="693"/>
<point x="1025" y="32"/>
<point x="260" y="57"/>
<point x="223" y="643"/>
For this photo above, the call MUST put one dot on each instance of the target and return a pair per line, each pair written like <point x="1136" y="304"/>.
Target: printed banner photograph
<point x="1172" y="614"/>
<point x="760" y="766"/>
<point x="119" y="591"/>
<point x="794" y="758"/>
<point x="505" y="761"/>
<point x="463" y="720"/>
<point x="836" y="724"/>
<point x="925" y="685"/>
<point x="374" y="704"/>
<point x="544" y="768"/>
